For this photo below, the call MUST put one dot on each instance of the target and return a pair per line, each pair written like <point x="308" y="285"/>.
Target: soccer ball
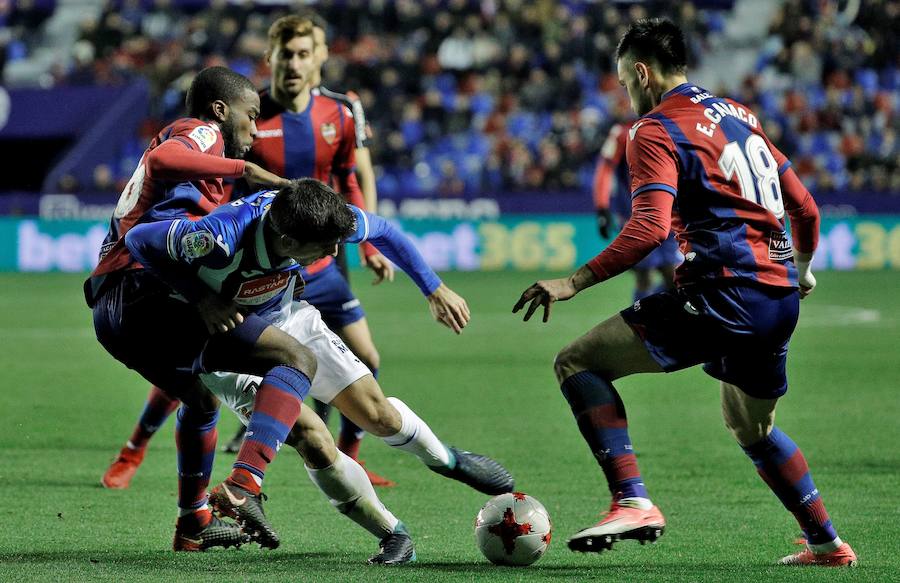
<point x="513" y="529"/>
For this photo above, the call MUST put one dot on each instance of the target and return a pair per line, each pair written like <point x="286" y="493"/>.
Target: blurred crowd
<point x="829" y="91"/>
<point x="468" y="96"/>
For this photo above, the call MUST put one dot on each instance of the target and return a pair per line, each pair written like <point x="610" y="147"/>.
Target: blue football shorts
<point x="739" y="332"/>
<point x="163" y="338"/>
<point x="329" y="291"/>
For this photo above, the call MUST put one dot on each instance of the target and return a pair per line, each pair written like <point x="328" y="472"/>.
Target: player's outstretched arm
<point x="446" y="306"/>
<point x="174" y="161"/>
<point x="258" y="176"/>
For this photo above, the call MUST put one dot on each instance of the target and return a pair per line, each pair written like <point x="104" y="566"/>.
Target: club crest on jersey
<point x="204" y="136"/>
<point x="329" y="132"/>
<point x="196" y="245"/>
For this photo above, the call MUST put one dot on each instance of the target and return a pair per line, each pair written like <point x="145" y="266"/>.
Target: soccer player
<point x="181" y="174"/>
<point x="702" y="164"/>
<point x="247" y="255"/>
<point x="610" y="191"/>
<point x="297" y="109"/>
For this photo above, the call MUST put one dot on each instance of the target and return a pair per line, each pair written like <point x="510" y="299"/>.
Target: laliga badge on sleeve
<point x="204" y="137"/>
<point x="196" y="245"/>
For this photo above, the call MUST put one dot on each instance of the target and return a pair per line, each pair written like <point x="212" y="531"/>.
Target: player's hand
<point x="605" y="223"/>
<point x="219" y="315"/>
<point x="806" y="279"/>
<point x="256" y="175"/>
<point x="544" y="293"/>
<point x="807" y="283"/>
<point x="449" y="308"/>
<point x="380" y="265"/>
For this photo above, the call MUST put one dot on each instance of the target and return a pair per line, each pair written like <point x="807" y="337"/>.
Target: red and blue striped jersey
<point x="319" y="142"/>
<point x="712" y="155"/>
<point x="167" y="183"/>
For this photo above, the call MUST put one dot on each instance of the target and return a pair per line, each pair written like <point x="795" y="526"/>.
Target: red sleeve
<point x="602" y="184"/>
<point x="175" y="160"/>
<point x="343" y="167"/>
<point x="652" y="159"/>
<point x="802" y="210"/>
<point x="648" y="227"/>
<point x="610" y="156"/>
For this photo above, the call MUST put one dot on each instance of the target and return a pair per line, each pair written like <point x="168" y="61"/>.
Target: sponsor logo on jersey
<point x="204" y="136"/>
<point x="262" y="289"/>
<point x="195" y="245"/>
<point x="780" y="248"/>
<point x="276" y="133"/>
<point x="329" y="132"/>
<point x="633" y="131"/>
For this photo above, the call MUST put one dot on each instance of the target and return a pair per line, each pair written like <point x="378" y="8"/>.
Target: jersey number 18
<point x="757" y="173"/>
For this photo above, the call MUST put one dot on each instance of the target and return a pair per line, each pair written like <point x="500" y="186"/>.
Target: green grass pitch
<point x="67" y="408"/>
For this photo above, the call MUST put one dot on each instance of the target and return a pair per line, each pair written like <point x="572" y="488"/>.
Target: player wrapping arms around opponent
<point x="247" y="255"/>
<point x="702" y="165"/>
<point x="181" y="174"/>
<point x="612" y="200"/>
<point x="300" y="135"/>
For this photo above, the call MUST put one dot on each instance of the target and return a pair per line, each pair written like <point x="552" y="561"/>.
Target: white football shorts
<point x="337" y="367"/>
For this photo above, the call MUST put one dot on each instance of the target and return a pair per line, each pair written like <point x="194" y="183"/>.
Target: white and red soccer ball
<point x="513" y="529"/>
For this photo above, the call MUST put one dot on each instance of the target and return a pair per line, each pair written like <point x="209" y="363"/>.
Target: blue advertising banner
<point x="519" y="242"/>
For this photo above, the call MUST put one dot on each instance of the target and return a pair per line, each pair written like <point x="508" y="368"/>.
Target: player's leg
<point x="257" y="348"/>
<point x="643" y="283"/>
<point x="329" y="292"/>
<point x="358" y="338"/>
<point x="782" y="466"/>
<point x="398" y="426"/>
<point x="134" y="321"/>
<point x="343" y="481"/>
<point x="585" y="369"/>
<point x="156" y="410"/>
<point x="349" y="490"/>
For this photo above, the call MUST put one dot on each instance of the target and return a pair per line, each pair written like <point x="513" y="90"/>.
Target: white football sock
<point x="416" y="437"/>
<point x="825" y="547"/>
<point x="349" y="490"/>
<point x="186" y="511"/>
<point x="636" y="502"/>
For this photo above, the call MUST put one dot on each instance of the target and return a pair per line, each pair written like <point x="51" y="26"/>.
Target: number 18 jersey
<point x="711" y="154"/>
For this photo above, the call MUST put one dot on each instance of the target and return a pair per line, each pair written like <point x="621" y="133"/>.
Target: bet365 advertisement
<point x="515" y="242"/>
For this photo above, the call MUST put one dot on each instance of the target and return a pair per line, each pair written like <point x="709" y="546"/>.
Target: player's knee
<point x="567" y="363"/>
<point x="301" y="358"/>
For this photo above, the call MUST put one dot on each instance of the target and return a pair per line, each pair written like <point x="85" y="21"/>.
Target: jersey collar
<point x="677" y="89"/>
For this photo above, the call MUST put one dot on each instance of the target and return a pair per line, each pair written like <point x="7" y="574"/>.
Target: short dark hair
<point x="655" y="39"/>
<point x="310" y="211"/>
<point x="212" y="84"/>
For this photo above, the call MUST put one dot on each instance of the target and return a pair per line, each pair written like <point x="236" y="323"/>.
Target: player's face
<point x="308" y="253"/>
<point x="292" y="65"/>
<point x="636" y="83"/>
<point x="239" y="127"/>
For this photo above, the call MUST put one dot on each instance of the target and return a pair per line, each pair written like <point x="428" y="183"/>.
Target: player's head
<point x="291" y="54"/>
<point x="308" y="219"/>
<point x="230" y="99"/>
<point x="651" y="52"/>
